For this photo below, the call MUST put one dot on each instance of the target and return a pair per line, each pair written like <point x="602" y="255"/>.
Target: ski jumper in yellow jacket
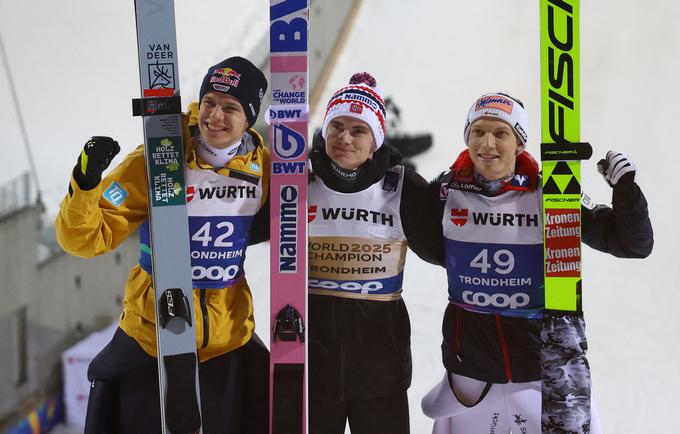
<point x="90" y="223"/>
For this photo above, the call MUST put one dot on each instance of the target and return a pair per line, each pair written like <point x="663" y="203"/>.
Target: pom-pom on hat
<point x="239" y="78"/>
<point x="361" y="100"/>
<point x="503" y="107"/>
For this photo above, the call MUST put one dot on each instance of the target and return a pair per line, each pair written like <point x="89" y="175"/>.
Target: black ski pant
<point x="124" y="393"/>
<point x="384" y="415"/>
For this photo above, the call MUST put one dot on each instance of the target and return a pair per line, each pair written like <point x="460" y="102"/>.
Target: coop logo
<point x="361" y="287"/>
<point x="560" y="73"/>
<point x="311" y="213"/>
<point x="494" y="102"/>
<point x="482" y="299"/>
<point x="288" y="229"/>
<point x="214" y="273"/>
<point x="459" y="216"/>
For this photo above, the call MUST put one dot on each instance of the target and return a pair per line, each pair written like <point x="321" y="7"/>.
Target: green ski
<point x="566" y="403"/>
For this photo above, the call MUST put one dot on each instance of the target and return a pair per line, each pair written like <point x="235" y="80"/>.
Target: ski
<point x="287" y="116"/>
<point x="168" y="222"/>
<point x="561" y="151"/>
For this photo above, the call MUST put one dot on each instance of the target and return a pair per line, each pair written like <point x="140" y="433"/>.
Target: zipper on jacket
<point x="504" y="348"/>
<point x="458" y="334"/>
<point x="204" y="313"/>
<point x="342" y="372"/>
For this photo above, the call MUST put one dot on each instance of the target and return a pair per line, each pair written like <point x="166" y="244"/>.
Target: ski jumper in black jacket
<point x="360" y="223"/>
<point x="494" y="320"/>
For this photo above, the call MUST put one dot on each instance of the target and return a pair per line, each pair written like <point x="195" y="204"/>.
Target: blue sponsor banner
<point x="218" y="249"/>
<point x="368" y="287"/>
<point x="496" y="278"/>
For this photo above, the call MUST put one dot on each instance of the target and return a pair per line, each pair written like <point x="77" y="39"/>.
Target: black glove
<point x="617" y="169"/>
<point x="93" y="160"/>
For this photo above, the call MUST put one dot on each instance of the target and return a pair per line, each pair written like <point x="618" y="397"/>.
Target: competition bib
<point x="218" y="249"/>
<point x="357" y="247"/>
<point x="362" y="267"/>
<point x="494" y="252"/>
<point x="498" y="278"/>
<point x="221" y="210"/>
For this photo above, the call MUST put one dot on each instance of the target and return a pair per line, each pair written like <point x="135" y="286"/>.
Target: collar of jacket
<point x="249" y="158"/>
<point x="525" y="179"/>
<point x="372" y="171"/>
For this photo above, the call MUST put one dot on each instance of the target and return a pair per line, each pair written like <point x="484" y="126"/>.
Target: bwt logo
<point x="285" y="37"/>
<point x="288" y="144"/>
<point x="288" y="167"/>
<point x="288" y="114"/>
<point x="288" y="229"/>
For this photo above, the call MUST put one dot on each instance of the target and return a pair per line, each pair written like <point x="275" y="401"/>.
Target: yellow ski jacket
<point x="89" y="224"/>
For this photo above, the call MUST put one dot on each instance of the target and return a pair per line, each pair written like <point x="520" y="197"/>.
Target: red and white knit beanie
<point x="361" y="99"/>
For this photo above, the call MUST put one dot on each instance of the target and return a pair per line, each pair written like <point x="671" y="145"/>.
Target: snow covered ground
<point x="74" y="66"/>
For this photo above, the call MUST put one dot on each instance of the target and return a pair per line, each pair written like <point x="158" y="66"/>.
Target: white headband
<point x="502" y="107"/>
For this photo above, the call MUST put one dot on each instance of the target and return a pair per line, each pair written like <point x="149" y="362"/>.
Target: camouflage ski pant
<point x="566" y="376"/>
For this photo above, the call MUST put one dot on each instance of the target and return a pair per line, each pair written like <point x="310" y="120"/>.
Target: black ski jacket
<point x="361" y="349"/>
<point x="499" y="349"/>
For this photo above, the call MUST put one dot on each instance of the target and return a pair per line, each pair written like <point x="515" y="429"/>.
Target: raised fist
<point x="93" y="160"/>
<point x="617" y="169"/>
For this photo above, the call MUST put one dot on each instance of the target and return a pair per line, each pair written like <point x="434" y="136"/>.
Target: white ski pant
<point x="507" y="408"/>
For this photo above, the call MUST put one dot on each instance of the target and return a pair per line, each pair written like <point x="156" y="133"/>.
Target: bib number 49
<point x="503" y="260"/>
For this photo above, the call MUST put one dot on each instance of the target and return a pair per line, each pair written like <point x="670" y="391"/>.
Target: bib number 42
<point x="224" y="229"/>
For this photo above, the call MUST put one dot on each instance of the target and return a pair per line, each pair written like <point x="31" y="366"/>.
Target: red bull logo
<point x="227" y="72"/>
<point x="225" y="76"/>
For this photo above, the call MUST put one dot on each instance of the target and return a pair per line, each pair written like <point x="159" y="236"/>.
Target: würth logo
<point x="358" y="214"/>
<point x="311" y="213"/>
<point x="190" y="192"/>
<point x="459" y="216"/>
<point x="222" y="192"/>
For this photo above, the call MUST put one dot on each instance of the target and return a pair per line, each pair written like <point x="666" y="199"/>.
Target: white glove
<point x="615" y="167"/>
